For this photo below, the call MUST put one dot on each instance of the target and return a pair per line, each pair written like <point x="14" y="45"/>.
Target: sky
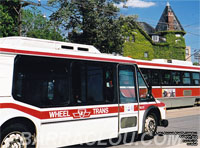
<point x="150" y="11"/>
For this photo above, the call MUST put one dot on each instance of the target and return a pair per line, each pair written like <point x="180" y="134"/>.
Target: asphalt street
<point x="183" y="131"/>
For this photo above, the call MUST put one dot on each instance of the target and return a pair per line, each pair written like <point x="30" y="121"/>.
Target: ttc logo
<point x="82" y="113"/>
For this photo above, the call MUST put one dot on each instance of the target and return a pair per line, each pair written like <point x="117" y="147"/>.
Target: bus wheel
<point x="16" y="136"/>
<point x="150" y="126"/>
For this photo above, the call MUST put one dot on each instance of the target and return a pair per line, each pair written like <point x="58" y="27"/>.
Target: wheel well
<point x="21" y="120"/>
<point x="156" y="111"/>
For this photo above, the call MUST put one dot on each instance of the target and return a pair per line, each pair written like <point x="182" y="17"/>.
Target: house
<point x="165" y="41"/>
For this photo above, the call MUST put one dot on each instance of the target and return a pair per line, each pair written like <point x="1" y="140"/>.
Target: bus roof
<point x="41" y="47"/>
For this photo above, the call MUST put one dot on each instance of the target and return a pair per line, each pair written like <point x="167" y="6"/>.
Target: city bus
<point x="55" y="94"/>
<point x="175" y="83"/>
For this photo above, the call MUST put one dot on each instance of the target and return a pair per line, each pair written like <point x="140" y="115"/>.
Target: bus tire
<point x="150" y="126"/>
<point x="17" y="135"/>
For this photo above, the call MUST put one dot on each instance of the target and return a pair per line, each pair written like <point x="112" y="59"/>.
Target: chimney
<point x="170" y="20"/>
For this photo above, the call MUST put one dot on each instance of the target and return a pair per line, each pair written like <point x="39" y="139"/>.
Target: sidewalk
<point x="181" y="112"/>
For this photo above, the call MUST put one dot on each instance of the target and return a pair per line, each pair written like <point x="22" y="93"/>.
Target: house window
<point x="155" y="38"/>
<point x="178" y="35"/>
<point x="177" y="40"/>
<point x="162" y="39"/>
<point x="146" y="55"/>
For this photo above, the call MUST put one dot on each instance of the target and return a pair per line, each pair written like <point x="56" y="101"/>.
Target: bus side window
<point x="155" y="77"/>
<point x="78" y="83"/>
<point x="127" y="84"/>
<point x="143" y="90"/>
<point x="92" y="83"/>
<point x="165" y="77"/>
<point x="146" y="74"/>
<point x="196" y="78"/>
<point x="176" y="78"/>
<point x="109" y="85"/>
<point x="186" y="78"/>
<point x="95" y="84"/>
<point x="42" y="82"/>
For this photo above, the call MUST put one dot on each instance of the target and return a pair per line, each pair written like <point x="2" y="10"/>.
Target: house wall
<point x="138" y="42"/>
<point x="136" y="45"/>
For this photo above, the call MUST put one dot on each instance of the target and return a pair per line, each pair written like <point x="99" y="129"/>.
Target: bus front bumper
<point x="164" y="123"/>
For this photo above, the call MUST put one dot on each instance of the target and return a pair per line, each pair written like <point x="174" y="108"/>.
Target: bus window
<point x="95" y="84"/>
<point x="186" y="78"/>
<point x="110" y="83"/>
<point x="165" y="77"/>
<point x="127" y="84"/>
<point x="155" y="77"/>
<point x="92" y="83"/>
<point x="176" y="78"/>
<point x="143" y="90"/>
<point x="42" y="82"/>
<point x="146" y="74"/>
<point x="79" y="83"/>
<point x="196" y="78"/>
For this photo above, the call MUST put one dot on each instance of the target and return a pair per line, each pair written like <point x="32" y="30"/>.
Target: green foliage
<point x="174" y="50"/>
<point x="90" y="22"/>
<point x="137" y="48"/>
<point x="37" y="26"/>
<point x="196" y="63"/>
<point x="8" y="17"/>
<point x="137" y="41"/>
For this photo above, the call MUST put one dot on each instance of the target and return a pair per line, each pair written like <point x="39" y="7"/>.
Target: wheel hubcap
<point x="14" y="140"/>
<point x="150" y="125"/>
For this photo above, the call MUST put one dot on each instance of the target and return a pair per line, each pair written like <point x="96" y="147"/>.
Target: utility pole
<point x="196" y="55"/>
<point x="22" y="4"/>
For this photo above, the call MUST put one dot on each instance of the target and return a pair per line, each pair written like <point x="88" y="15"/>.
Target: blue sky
<point x="150" y="11"/>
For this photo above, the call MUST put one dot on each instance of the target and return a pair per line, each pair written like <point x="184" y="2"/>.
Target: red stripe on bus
<point x="61" y="55"/>
<point x="93" y="58"/>
<point x="74" y="113"/>
<point x="179" y="92"/>
<point x="167" y="65"/>
<point x="145" y="106"/>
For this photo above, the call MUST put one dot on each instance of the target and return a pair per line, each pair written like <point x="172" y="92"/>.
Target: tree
<point x="8" y="17"/>
<point x="35" y="25"/>
<point x="196" y="63"/>
<point x="91" y="22"/>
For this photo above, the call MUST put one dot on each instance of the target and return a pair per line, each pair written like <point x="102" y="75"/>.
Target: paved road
<point x="181" y="122"/>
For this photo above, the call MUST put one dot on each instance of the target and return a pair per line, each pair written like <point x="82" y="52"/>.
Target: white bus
<point x="55" y="94"/>
<point x="175" y="83"/>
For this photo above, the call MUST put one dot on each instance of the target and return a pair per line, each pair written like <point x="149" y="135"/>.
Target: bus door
<point x="128" y="117"/>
